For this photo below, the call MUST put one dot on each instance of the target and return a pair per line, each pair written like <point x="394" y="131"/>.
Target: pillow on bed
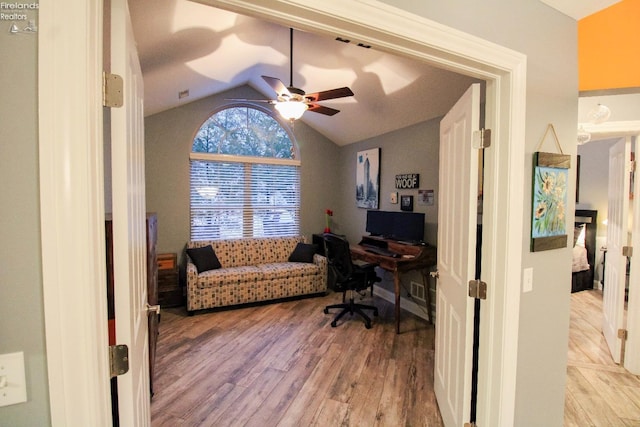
<point x="579" y="233"/>
<point x="580" y="262"/>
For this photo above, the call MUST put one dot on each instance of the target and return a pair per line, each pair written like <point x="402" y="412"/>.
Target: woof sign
<point x="408" y="180"/>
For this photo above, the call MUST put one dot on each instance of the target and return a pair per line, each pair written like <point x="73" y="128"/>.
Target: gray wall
<point x="169" y="137"/>
<point x="414" y="149"/>
<point x="594" y="189"/>
<point x="549" y="40"/>
<point x="21" y="303"/>
<point x="594" y="179"/>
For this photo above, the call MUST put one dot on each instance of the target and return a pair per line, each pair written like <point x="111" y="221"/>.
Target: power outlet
<point x="417" y="291"/>
<point x="527" y="279"/>
<point x="13" y="386"/>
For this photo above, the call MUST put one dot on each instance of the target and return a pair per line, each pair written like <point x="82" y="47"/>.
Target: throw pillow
<point x="303" y="252"/>
<point x="204" y="258"/>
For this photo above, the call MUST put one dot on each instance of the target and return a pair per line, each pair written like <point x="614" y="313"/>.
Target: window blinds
<point x="243" y="199"/>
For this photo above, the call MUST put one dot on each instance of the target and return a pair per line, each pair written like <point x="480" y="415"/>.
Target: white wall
<point x="623" y="107"/>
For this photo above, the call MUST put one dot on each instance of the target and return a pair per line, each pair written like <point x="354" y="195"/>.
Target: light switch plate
<point x="13" y="387"/>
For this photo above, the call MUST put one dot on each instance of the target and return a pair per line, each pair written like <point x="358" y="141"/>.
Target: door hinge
<point x="118" y="360"/>
<point x="622" y="334"/>
<point x="627" y="251"/>
<point x="477" y="289"/>
<point x="470" y="425"/>
<point x="482" y="139"/>
<point x="112" y="90"/>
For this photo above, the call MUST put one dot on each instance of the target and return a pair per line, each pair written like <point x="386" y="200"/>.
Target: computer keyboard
<point x="380" y="251"/>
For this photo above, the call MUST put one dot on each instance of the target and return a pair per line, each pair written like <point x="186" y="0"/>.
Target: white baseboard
<point x="405" y="304"/>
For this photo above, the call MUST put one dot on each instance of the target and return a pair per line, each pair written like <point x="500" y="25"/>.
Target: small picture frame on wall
<point x="406" y="203"/>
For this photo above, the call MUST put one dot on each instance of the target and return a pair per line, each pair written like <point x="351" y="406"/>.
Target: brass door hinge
<point x="477" y="289"/>
<point x="470" y="425"/>
<point x="622" y="334"/>
<point x="118" y="360"/>
<point x="482" y="139"/>
<point x="627" y="251"/>
<point x="112" y="90"/>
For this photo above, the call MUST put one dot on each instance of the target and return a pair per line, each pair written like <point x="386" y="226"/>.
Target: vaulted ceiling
<point x="189" y="51"/>
<point x="188" y="46"/>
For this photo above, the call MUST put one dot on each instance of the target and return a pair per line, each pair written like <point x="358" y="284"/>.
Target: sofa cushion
<point x="303" y="252"/>
<point x="204" y="258"/>
<point x="286" y="270"/>
<point x="230" y="276"/>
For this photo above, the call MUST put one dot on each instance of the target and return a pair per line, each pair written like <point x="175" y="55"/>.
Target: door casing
<point x="68" y="206"/>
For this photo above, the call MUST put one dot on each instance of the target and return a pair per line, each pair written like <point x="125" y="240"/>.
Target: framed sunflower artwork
<point x="550" y="183"/>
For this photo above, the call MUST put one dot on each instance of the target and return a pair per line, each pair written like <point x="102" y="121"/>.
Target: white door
<point x="456" y="258"/>
<point x="632" y="346"/>
<point x="617" y="237"/>
<point x="129" y="214"/>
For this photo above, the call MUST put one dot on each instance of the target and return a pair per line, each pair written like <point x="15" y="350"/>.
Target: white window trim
<point x="243" y="159"/>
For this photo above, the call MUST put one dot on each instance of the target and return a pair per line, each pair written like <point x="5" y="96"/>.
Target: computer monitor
<point x="379" y="223"/>
<point x="404" y="226"/>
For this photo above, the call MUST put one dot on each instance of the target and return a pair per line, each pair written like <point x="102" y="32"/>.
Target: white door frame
<point x="71" y="183"/>
<point x="72" y="211"/>
<point x="632" y="346"/>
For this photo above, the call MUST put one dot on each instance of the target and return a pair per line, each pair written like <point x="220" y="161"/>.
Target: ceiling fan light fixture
<point x="291" y="110"/>
<point x="599" y="114"/>
<point x="583" y="136"/>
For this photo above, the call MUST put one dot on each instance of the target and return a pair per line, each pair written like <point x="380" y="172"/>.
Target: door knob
<point x="153" y="309"/>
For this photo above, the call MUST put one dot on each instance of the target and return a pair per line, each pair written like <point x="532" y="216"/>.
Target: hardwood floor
<point x="284" y="365"/>
<point x="598" y="392"/>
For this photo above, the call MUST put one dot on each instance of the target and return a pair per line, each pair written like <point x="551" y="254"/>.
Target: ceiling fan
<point x="292" y="102"/>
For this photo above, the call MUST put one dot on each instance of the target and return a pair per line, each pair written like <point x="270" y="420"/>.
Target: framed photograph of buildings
<point x="368" y="178"/>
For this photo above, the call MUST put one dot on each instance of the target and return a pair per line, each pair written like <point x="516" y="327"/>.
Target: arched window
<point x="245" y="178"/>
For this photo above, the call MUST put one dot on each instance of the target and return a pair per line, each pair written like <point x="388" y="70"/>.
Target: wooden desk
<point x="413" y="258"/>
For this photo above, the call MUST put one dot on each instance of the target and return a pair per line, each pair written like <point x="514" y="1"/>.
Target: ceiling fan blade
<point x="327" y="111"/>
<point x="329" y="94"/>
<point x="277" y="86"/>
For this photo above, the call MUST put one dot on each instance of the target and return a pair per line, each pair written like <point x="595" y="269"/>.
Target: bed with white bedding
<point x="584" y="250"/>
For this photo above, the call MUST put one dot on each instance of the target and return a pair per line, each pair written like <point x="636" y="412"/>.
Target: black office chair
<point x="350" y="278"/>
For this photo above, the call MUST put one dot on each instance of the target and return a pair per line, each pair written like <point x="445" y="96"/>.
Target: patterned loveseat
<point x="253" y="270"/>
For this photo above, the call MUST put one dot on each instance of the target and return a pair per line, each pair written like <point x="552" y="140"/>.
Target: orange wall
<point x="609" y="48"/>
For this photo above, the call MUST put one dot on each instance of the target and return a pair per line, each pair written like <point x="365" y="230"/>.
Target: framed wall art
<point x="406" y="203"/>
<point x="368" y="178"/>
<point x="549" y="199"/>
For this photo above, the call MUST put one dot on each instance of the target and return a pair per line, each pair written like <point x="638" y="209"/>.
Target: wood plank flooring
<point x="284" y="365"/>
<point x="598" y="392"/>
